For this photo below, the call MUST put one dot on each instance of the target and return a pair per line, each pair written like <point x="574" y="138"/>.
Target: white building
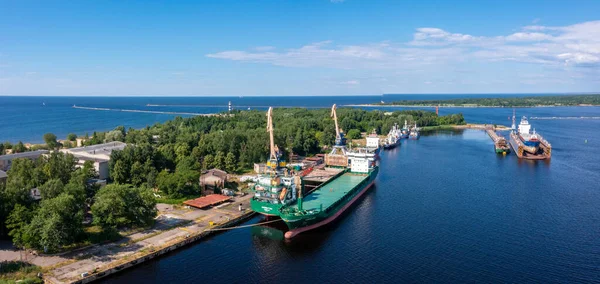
<point x="6" y="160"/>
<point x="98" y="154"/>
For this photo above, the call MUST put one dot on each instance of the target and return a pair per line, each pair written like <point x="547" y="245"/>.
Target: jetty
<point x="500" y="143"/>
<point x="175" y="228"/>
<point x="144" y="111"/>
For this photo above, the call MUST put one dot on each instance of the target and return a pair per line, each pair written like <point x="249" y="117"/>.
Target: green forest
<point x="564" y="100"/>
<point x="167" y="157"/>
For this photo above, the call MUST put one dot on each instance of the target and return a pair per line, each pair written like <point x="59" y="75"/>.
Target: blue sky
<point x="321" y="47"/>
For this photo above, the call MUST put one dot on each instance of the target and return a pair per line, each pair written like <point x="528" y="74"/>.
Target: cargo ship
<point x="332" y="198"/>
<point x="393" y="138"/>
<point x="414" y="133"/>
<point x="404" y="131"/>
<point x="528" y="144"/>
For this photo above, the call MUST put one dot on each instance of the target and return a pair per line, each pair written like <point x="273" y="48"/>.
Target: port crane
<point x="274" y="150"/>
<point x="340" y="141"/>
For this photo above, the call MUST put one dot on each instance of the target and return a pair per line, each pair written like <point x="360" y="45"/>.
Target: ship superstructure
<point x="405" y="130"/>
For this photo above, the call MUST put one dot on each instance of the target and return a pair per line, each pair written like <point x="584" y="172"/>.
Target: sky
<point x="308" y="47"/>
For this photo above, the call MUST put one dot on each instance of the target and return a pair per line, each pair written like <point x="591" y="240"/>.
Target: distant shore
<point x="464" y="106"/>
<point x="465" y="126"/>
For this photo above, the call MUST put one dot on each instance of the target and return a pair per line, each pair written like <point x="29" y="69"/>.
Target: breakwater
<point x="144" y="111"/>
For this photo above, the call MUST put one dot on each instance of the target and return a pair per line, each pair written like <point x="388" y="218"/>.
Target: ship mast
<point x="514" y="123"/>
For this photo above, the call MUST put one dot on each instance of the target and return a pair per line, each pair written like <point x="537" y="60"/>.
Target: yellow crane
<point x="338" y="135"/>
<point x="274" y="150"/>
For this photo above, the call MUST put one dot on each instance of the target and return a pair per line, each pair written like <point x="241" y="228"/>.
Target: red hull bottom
<point x="292" y="233"/>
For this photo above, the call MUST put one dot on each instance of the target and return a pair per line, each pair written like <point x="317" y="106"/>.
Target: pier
<point x="174" y="229"/>
<point x="144" y="111"/>
<point x="500" y="144"/>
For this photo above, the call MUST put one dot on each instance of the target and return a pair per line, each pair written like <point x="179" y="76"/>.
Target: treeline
<point x="169" y="156"/>
<point x="564" y="100"/>
<point x="67" y="198"/>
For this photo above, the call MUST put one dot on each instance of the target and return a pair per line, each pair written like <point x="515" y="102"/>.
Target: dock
<point x="500" y="144"/>
<point x="544" y="153"/>
<point x="174" y="229"/>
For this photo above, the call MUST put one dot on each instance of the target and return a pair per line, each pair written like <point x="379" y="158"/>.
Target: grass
<point x="13" y="271"/>
<point x="175" y="201"/>
<point x="438" y="127"/>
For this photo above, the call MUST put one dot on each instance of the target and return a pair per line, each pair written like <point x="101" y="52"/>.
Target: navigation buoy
<point x="585" y="141"/>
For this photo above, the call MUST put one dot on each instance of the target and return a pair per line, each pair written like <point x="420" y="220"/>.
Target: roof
<point x="100" y="152"/>
<point x="215" y="172"/>
<point x="3" y="174"/>
<point x="206" y="201"/>
<point x="32" y="154"/>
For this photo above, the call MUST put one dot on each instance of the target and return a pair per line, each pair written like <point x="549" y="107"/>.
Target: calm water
<point x="28" y="118"/>
<point x="445" y="208"/>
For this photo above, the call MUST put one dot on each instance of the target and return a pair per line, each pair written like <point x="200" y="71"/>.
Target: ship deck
<point x="331" y="192"/>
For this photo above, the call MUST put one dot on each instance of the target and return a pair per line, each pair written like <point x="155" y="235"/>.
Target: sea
<point x="444" y="209"/>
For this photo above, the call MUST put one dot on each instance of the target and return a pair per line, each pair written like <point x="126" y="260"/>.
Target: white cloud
<point x="576" y="45"/>
<point x="528" y="37"/>
<point x="351" y="83"/>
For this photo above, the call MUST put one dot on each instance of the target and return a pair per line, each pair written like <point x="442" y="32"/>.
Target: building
<point x="260" y="168"/>
<point x="6" y="160"/>
<point x="3" y="177"/>
<point x="213" y="179"/>
<point x="97" y="154"/>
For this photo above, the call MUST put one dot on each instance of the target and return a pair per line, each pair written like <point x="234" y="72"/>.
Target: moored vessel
<point x="414" y="133"/>
<point x="393" y="138"/>
<point x="528" y="144"/>
<point x="404" y="131"/>
<point x="331" y="199"/>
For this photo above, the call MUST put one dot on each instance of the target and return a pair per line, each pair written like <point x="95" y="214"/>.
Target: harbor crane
<point x="340" y="141"/>
<point x="274" y="150"/>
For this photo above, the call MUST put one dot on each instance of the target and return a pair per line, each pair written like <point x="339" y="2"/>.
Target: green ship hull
<point x="327" y="202"/>
<point x="265" y="208"/>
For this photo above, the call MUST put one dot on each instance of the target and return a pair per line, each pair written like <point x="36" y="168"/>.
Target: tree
<point x="72" y="137"/>
<point x="50" y="140"/>
<point x="119" y="173"/>
<point x="60" y="166"/>
<point x="219" y="161"/>
<point x="17" y="223"/>
<point x="119" y="205"/>
<point x="19" y="148"/>
<point x="138" y="175"/>
<point x="208" y="162"/>
<point x="58" y="222"/>
<point x="230" y="162"/>
<point x="353" y="134"/>
<point x="115" y="135"/>
<point x="51" y="189"/>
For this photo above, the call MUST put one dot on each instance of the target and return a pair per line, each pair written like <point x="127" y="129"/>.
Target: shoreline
<point x="464" y="106"/>
<point x="465" y="126"/>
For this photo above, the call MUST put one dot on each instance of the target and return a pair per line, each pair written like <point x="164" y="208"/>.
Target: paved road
<point x="172" y="223"/>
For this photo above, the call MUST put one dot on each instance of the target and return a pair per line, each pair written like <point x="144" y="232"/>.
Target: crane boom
<point x="273" y="152"/>
<point x="334" y="115"/>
